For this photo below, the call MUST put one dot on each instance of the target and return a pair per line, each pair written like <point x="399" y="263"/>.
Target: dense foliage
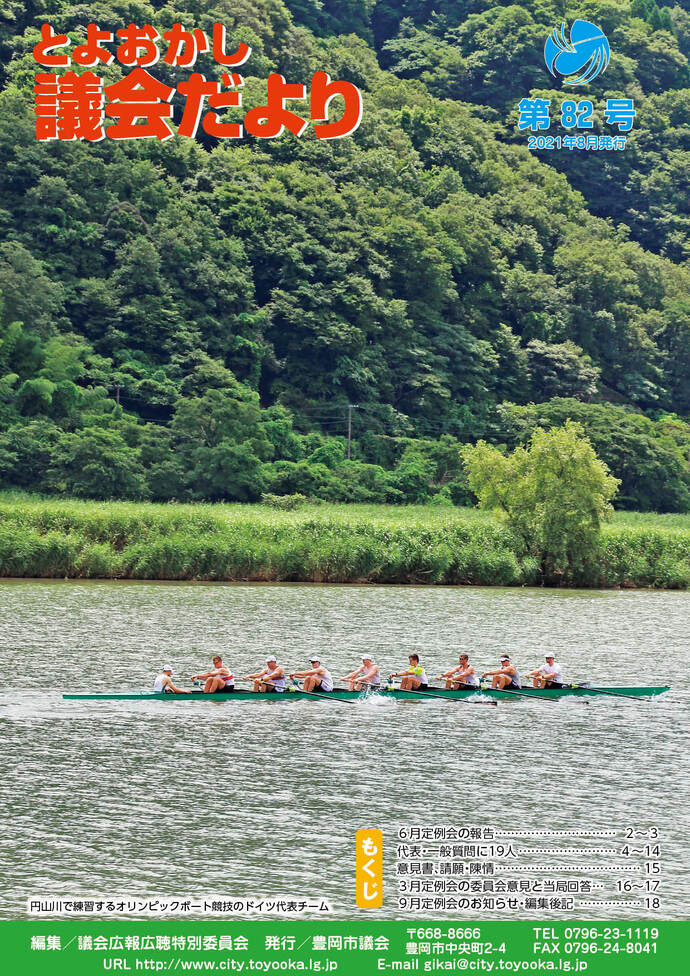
<point x="190" y="320"/>
<point x="325" y="543"/>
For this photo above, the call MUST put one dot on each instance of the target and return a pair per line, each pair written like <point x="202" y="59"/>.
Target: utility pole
<point x="117" y="394"/>
<point x="350" y="408"/>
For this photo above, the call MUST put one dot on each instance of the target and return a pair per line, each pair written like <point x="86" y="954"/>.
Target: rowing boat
<point x="396" y="693"/>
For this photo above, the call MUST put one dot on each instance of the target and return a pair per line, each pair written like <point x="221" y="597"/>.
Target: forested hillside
<point x="192" y="319"/>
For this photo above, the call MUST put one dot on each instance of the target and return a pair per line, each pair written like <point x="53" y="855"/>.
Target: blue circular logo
<point x="582" y="57"/>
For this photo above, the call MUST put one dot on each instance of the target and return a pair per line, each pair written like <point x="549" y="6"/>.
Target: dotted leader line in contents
<point x="555" y="833"/>
<point x="607" y="904"/>
<point x="612" y="868"/>
<point x="568" y="850"/>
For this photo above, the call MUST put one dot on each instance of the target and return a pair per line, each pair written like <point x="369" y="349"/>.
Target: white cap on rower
<point x="367" y="657"/>
<point x="271" y="660"/>
<point x="505" y="658"/>
<point x="548" y="657"/>
<point x="313" y="659"/>
<point x="166" y="667"/>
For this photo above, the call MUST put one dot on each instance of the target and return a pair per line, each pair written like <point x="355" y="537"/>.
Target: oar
<point x="463" y="686"/>
<point x="365" y="684"/>
<point x="470" y="701"/>
<point x="520" y="694"/>
<point x="314" y="694"/>
<point x="475" y="688"/>
<point x="368" y="684"/>
<point x="248" y="681"/>
<point x="599" y="691"/>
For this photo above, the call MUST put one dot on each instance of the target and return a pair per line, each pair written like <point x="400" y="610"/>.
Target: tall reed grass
<point x="324" y="543"/>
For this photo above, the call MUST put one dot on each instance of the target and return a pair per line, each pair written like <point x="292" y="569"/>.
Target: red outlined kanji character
<point x="139" y="96"/>
<point x="136" y="39"/>
<point x="45" y="107"/>
<point x="321" y="94"/>
<point x="69" y="107"/>
<point x="90" y="53"/>
<point x="218" y="50"/>
<point x="270" y="120"/>
<point x="195" y="90"/>
<point x="49" y="41"/>
<point x="193" y="42"/>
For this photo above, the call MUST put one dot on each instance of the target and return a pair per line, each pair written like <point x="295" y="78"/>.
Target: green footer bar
<point x="362" y="947"/>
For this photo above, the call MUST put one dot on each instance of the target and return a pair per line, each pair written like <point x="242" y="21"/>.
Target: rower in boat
<point x="317" y="678"/>
<point x="367" y="675"/>
<point x="221" y="679"/>
<point x="549" y="675"/>
<point x="413" y="678"/>
<point x="506" y="676"/>
<point x="461" y="676"/>
<point x="163" y="683"/>
<point x="269" y="679"/>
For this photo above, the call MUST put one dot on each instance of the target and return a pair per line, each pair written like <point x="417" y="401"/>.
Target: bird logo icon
<point x="582" y="57"/>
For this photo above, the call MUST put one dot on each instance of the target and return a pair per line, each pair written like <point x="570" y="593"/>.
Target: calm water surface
<point x="248" y="800"/>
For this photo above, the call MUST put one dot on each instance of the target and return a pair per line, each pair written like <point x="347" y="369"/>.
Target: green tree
<point x="412" y="477"/>
<point x="35" y="396"/>
<point x="300" y="478"/>
<point x="218" y="416"/>
<point x="227" y="471"/>
<point x="27" y="449"/>
<point x="30" y="296"/>
<point x="674" y="339"/>
<point x="97" y="463"/>
<point x="560" y="369"/>
<point x="649" y="457"/>
<point x="221" y="443"/>
<point x="554" y="494"/>
<point x="331" y="453"/>
<point x="165" y="474"/>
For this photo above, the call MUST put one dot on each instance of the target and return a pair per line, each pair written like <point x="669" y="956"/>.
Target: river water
<point x="234" y="800"/>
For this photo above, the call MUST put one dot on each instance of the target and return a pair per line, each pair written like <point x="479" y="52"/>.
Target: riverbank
<point x="316" y="543"/>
